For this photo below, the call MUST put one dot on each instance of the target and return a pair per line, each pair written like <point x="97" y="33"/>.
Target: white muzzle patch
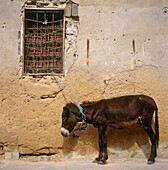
<point x="64" y="132"/>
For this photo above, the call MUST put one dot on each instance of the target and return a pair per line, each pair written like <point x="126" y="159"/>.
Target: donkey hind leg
<point x="153" y="153"/>
<point x="152" y="137"/>
<point x="102" y="146"/>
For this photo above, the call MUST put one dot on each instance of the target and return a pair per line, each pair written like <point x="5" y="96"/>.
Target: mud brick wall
<point x="111" y="48"/>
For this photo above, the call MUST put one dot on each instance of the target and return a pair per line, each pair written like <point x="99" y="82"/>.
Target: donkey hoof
<point x="150" y="161"/>
<point x="102" y="162"/>
<point x="96" y="160"/>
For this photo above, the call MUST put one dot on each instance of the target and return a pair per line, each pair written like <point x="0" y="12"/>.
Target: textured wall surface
<point x="30" y="121"/>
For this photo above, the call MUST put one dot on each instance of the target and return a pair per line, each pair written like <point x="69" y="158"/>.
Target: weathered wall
<point x="30" y="121"/>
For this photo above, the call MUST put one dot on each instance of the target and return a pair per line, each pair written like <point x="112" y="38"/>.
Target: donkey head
<point x="69" y="121"/>
<point x="70" y="117"/>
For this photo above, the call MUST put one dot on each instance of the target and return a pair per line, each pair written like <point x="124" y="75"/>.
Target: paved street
<point x="119" y="164"/>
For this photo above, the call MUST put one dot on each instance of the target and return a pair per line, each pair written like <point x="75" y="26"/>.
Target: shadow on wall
<point x="131" y="140"/>
<point x="69" y="144"/>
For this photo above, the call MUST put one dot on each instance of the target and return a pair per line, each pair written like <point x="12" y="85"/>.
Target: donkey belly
<point x="123" y="124"/>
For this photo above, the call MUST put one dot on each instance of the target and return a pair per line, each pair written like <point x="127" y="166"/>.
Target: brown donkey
<point x="119" y="112"/>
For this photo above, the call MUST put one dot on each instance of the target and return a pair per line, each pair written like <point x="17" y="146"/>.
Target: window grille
<point x="43" y="41"/>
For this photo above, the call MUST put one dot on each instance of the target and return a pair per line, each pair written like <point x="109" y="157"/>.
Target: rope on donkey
<point x="77" y="105"/>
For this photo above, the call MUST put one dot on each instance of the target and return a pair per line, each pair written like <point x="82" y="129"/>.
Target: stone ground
<point x="117" y="164"/>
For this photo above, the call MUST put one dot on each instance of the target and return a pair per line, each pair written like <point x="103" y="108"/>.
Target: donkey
<point x="119" y="112"/>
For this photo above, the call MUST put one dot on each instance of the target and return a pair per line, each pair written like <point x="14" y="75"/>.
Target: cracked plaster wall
<point x="30" y="121"/>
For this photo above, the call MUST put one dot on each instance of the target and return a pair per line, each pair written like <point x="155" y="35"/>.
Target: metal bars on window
<point x="43" y="41"/>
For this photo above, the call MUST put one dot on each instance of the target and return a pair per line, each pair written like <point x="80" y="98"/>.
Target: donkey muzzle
<point x="64" y="132"/>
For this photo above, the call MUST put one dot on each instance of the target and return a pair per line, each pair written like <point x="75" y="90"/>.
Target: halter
<point x="81" y="111"/>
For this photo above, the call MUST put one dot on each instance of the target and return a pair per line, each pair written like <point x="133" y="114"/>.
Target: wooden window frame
<point x="39" y="72"/>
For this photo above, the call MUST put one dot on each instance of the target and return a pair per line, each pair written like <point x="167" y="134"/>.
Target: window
<point x="43" y="41"/>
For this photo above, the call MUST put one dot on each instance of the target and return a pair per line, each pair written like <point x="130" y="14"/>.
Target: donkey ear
<point x="66" y="111"/>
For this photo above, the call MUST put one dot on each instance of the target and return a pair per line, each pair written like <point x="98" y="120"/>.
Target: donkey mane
<point x="88" y="102"/>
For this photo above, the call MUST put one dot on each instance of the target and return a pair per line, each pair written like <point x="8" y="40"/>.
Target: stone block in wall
<point x="11" y="148"/>
<point x="15" y="155"/>
<point x="42" y="89"/>
<point x="62" y="1"/>
<point x="1" y="150"/>
<point x="29" y="2"/>
<point x="72" y="29"/>
<point x="55" y="2"/>
<point x="8" y="155"/>
<point x="42" y="3"/>
<point x="43" y="151"/>
<point x="71" y="9"/>
<point x="11" y="155"/>
<point x="25" y="150"/>
<point x="52" y="151"/>
<point x="68" y="10"/>
<point x="74" y="10"/>
<point x="69" y="30"/>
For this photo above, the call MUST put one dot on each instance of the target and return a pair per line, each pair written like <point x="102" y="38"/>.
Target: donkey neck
<point x="88" y="111"/>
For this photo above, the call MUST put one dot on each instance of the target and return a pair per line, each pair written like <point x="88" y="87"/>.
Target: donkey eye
<point x="64" y="119"/>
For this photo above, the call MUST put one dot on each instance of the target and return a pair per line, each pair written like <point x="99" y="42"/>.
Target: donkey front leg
<point x="105" y="146"/>
<point x="103" y="156"/>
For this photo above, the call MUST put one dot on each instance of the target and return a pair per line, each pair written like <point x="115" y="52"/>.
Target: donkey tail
<point x="156" y="126"/>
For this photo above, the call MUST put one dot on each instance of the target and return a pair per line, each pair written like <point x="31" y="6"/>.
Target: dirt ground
<point x="115" y="164"/>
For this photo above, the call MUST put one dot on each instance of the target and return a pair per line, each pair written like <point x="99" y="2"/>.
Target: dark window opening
<point x="43" y="41"/>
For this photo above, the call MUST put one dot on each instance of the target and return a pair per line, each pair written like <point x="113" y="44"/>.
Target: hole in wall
<point x="165" y="10"/>
<point x="4" y="25"/>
